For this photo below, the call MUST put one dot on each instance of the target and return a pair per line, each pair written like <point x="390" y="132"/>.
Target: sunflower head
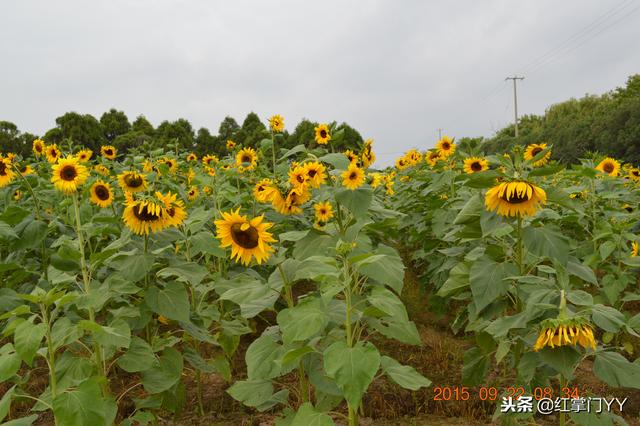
<point x="316" y="173"/>
<point x="101" y="194"/>
<point x="68" y="174"/>
<point x="264" y="191"/>
<point x="352" y="157"/>
<point x="17" y="195"/>
<point x="322" y="134"/>
<point x="173" y="211"/>
<point x="324" y="212"/>
<point x="132" y="181"/>
<point x="171" y="163"/>
<point x="25" y="170"/>
<point x="246" y="159"/>
<point x="84" y="155"/>
<point x="248" y="238"/>
<point x="367" y="156"/>
<point x="634" y="174"/>
<point x="52" y="153"/>
<point x="99" y="168"/>
<point x="230" y="145"/>
<point x="564" y="332"/>
<point x="516" y="198"/>
<point x="634" y="249"/>
<point x="38" y="147"/>
<point x="192" y="195"/>
<point x="192" y="157"/>
<point x="535" y="149"/>
<point x="432" y="157"/>
<point x="609" y="166"/>
<point x="276" y="123"/>
<point x="445" y="146"/>
<point x="298" y="176"/>
<point x="475" y="165"/>
<point x="108" y="152"/>
<point x="143" y="216"/>
<point x="353" y="177"/>
<point x="209" y="160"/>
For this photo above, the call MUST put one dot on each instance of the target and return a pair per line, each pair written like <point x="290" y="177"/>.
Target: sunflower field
<point x="297" y="282"/>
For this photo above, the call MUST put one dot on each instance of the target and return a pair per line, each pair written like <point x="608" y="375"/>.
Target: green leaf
<point x="308" y="416"/>
<point x="27" y="338"/>
<point x="388" y="302"/>
<point x="256" y="393"/>
<point x="357" y="201"/>
<point x="5" y="402"/>
<point x="165" y="373"/>
<point x="337" y="160"/>
<point x="563" y="359"/>
<point x="546" y="242"/>
<point x="188" y="272"/>
<point x="476" y="367"/>
<point x="580" y="298"/>
<point x="614" y="369"/>
<point x="582" y="271"/>
<point x="261" y="358"/>
<point x="205" y="242"/>
<point x="487" y="280"/>
<point x="23" y="421"/>
<point x="404" y="375"/>
<point x="139" y="356"/>
<point x="171" y="301"/>
<point x="303" y="321"/>
<point x="6" y="232"/>
<point x="607" y="318"/>
<point x="606" y="249"/>
<point x="458" y="280"/>
<point x="353" y="368"/>
<point x="81" y="406"/>
<point x="134" y="267"/>
<point x="387" y="270"/>
<point x="471" y="211"/>
<point x="10" y="362"/>
<point x="252" y="295"/>
<point x="34" y="233"/>
<point x="197" y="362"/>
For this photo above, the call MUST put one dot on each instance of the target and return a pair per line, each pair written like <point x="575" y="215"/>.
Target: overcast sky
<point x="395" y="70"/>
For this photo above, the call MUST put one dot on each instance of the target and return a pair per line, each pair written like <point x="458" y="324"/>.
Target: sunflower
<point x="246" y="159"/>
<point x="609" y="166"/>
<point x="475" y="165"/>
<point x="634" y="249"/>
<point x="11" y="156"/>
<point x="389" y="187"/>
<point x="147" y="166"/>
<point x="413" y="156"/>
<point x="68" y="174"/>
<point x="52" y="153"/>
<point x="192" y="157"/>
<point x="26" y="170"/>
<point x="17" y="195"/>
<point x="291" y="203"/>
<point x="324" y="211"/>
<point x="634" y="174"/>
<point x="352" y="156"/>
<point x="445" y="146"/>
<point x="170" y="163"/>
<point x="101" y="194"/>
<point x="367" y="156"/>
<point x="174" y="212"/>
<point x="376" y="180"/>
<point x="517" y="198"/>
<point x="432" y="157"/>
<point x="132" y="181"/>
<point x="208" y="159"/>
<point x="322" y="134"/>
<point x="247" y="238"/>
<point x="190" y="175"/>
<point x="109" y="152"/>
<point x="298" y="176"/>
<point x="84" y="155"/>
<point x="353" y="177"/>
<point x="99" y="168"/>
<point x="192" y="195"/>
<point x="38" y="147"/>
<point x="402" y="163"/>
<point x="316" y="173"/>
<point x="276" y="123"/>
<point x="143" y="216"/>
<point x="264" y="191"/>
<point x="535" y="149"/>
<point x="230" y="145"/>
<point x="563" y="332"/>
<point x="210" y="171"/>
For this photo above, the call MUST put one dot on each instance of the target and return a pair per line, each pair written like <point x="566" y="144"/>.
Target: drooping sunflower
<point x="38" y="147"/>
<point x="192" y="157"/>
<point x="209" y="160"/>
<point x="516" y="198"/>
<point x="246" y="159"/>
<point x="324" y="211"/>
<point x="264" y="191"/>
<point x="143" y="216"/>
<point x="174" y="212"/>
<point x="352" y="156"/>
<point x="192" y="195"/>
<point x="445" y="146"/>
<point x="609" y="166"/>
<point x="475" y="165"/>
<point x="6" y="172"/>
<point x="634" y="249"/>
<point x="52" y="153"/>
<point x="230" y="145"/>
<point x="432" y="158"/>
<point x="367" y="156"/>
<point x="535" y="149"/>
<point x="99" y="168"/>
<point x="564" y="332"/>
<point x="84" y="155"/>
<point x="353" y="177"/>
<point x="316" y="173"/>
<point x="322" y="134"/>
<point x="132" y="181"/>
<point x="109" y="152"/>
<point x="101" y="194"/>
<point x="298" y="176"/>
<point x="68" y="174"/>
<point x="413" y="156"/>
<point x="247" y="238"/>
<point x="389" y="186"/>
<point x="276" y="123"/>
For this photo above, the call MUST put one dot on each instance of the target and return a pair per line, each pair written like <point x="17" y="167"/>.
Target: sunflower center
<point x="171" y="211"/>
<point x="143" y="214"/>
<point x="476" y="166"/>
<point x="246" y="238"/>
<point x="353" y="176"/>
<point x="133" y="181"/>
<point x="300" y="178"/>
<point x="608" y="167"/>
<point x="108" y="152"/>
<point x="3" y="168"/>
<point x="636" y="173"/>
<point x="68" y="173"/>
<point x="323" y="134"/>
<point x="102" y="193"/>
<point x="446" y="146"/>
<point x="311" y="173"/>
<point x="536" y="151"/>
<point x="246" y="159"/>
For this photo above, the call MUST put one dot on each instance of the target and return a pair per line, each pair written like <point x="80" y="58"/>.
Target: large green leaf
<point x="546" y="241"/>
<point x="607" y="318"/>
<point x="164" y="373"/>
<point x="471" y="211"/>
<point x="357" y="201"/>
<point x="9" y="362"/>
<point x="353" y="368"/>
<point x="5" y="402"/>
<point x="27" y="338"/>
<point x="563" y="359"/>
<point x="303" y="321"/>
<point x="257" y="393"/>
<point x="139" y="356"/>
<point x="188" y="272"/>
<point x="616" y="371"/>
<point x="261" y="358"/>
<point x="134" y="267"/>
<point x="404" y="375"/>
<point x="308" y="416"/>
<point x="487" y="279"/>
<point x="388" y="302"/>
<point x="171" y="301"/>
<point x="386" y="267"/>
<point x="81" y="406"/>
<point x="252" y="295"/>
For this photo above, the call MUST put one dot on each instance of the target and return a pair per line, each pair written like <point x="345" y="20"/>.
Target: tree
<point x="206" y="143"/>
<point x="179" y="131"/>
<point x="10" y="139"/>
<point x="114" y="123"/>
<point x="131" y="141"/>
<point x="81" y="129"/>
<point x="141" y="124"/>
<point x="227" y="128"/>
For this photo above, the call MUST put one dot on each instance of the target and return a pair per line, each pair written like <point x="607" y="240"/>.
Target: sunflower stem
<point x="273" y="154"/>
<point x="520" y="246"/>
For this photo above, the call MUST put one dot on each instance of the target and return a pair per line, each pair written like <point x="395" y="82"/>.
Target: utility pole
<point x="515" y="98"/>
<point x="439" y="133"/>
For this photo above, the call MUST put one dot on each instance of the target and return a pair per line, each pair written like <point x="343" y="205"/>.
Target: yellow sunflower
<point x="634" y="174"/>
<point x="609" y="166"/>
<point x="6" y="172"/>
<point x="84" y="155"/>
<point x="192" y="157"/>
<point x="101" y="194"/>
<point x="324" y="211"/>
<point x="174" y="212"/>
<point x="192" y="195"/>
<point x="143" y="216"/>
<point x="413" y="156"/>
<point x="209" y="159"/>
<point x="367" y="156"/>
<point x="432" y="157"/>
<point x="322" y="134"/>
<point x="376" y="180"/>
<point x="26" y="170"/>
<point x="445" y="146"/>
<point x="52" y="153"/>
<point x="99" y="168"/>
<point x="634" y="249"/>
<point x="316" y="173"/>
<point x="352" y="156"/>
<point x="517" y="198"/>
<point x="38" y="147"/>
<point x="298" y="176"/>
<point x="68" y="174"/>
<point x="170" y="163"/>
<point x="147" y="166"/>
<point x="402" y="163"/>
<point x="190" y="176"/>
<point x="211" y="171"/>
<point x="108" y="152"/>
<point x="389" y="187"/>
<point x="264" y="191"/>
<point x="17" y="195"/>
<point x="132" y="181"/>
<point x="535" y="149"/>
<point x="475" y="165"/>
<point x="353" y="177"/>
<point x="276" y="123"/>
<point x="246" y="159"/>
<point x="564" y="332"/>
<point x="230" y="145"/>
<point x="247" y="238"/>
